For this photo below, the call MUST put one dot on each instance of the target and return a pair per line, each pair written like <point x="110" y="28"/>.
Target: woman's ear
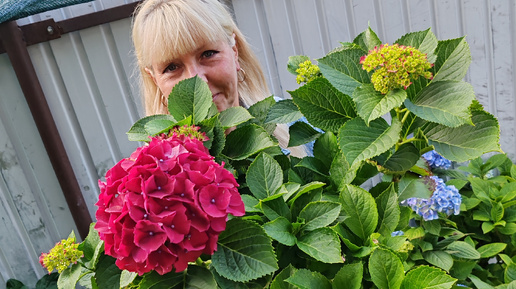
<point x="235" y="50"/>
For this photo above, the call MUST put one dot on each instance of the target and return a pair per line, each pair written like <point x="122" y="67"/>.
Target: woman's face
<point x="216" y="63"/>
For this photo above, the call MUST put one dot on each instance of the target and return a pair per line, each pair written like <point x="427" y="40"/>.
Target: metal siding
<point x="90" y="81"/>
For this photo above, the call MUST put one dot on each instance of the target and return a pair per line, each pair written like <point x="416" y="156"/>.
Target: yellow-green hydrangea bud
<point x="395" y="66"/>
<point x="64" y="253"/>
<point x="307" y="72"/>
<point x="406" y="247"/>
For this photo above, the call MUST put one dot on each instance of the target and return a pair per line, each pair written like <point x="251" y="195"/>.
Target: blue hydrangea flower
<point x="397" y="233"/>
<point x="435" y="160"/>
<point x="445" y="199"/>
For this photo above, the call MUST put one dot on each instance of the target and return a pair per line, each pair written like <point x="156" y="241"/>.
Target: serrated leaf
<point x="280" y="230"/>
<point x="322" y="105"/>
<point x="403" y="159"/>
<point x="107" y="274"/>
<point x="388" y="211"/>
<point x="234" y="116"/>
<point x="326" y="148"/>
<point x="367" y="40"/>
<point x="127" y="278"/>
<point x="372" y="104"/>
<point x="359" y="142"/>
<point x="246" y="141"/>
<point x="462" y="249"/>
<point x="439" y="259"/>
<point x="386" y="269"/>
<point x="199" y="278"/>
<point x="301" y="133"/>
<point x="425" y="277"/>
<point x="69" y="277"/>
<point x="264" y="176"/>
<point x="411" y="186"/>
<point x="349" y="276"/>
<point x="244" y="252"/>
<point x="314" y="165"/>
<point x="284" y="111"/>
<point x="465" y="142"/>
<point x="453" y="59"/>
<point x="444" y="102"/>
<point x="294" y="61"/>
<point x="491" y="250"/>
<point x="190" y="97"/>
<point x="319" y="214"/>
<point x="321" y="244"/>
<point x="306" y="279"/>
<point x="360" y="208"/>
<point x="508" y="192"/>
<point x="510" y="273"/>
<point x="343" y="69"/>
<point x="425" y="41"/>
<point x="279" y="281"/>
<point x="479" y="283"/>
<point x="153" y="280"/>
<point x="137" y="131"/>
<point x="497" y="212"/>
<point x="158" y="126"/>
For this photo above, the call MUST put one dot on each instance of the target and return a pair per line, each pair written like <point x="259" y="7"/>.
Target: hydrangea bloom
<point x="445" y="199"/>
<point x="62" y="255"/>
<point x="435" y="160"/>
<point x="397" y="64"/>
<point x="166" y="204"/>
<point x="307" y="72"/>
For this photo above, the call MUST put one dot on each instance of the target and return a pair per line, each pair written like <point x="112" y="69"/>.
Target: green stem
<point x="199" y="262"/>
<point x="405" y="116"/>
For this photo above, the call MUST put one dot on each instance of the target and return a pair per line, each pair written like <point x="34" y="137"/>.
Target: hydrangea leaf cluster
<point x="445" y="199"/>
<point x="307" y="72"/>
<point x="62" y="255"/>
<point x="166" y="204"/>
<point x="395" y="66"/>
<point x="436" y="161"/>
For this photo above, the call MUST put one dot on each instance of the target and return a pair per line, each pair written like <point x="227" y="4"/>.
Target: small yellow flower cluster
<point x="398" y="65"/>
<point x="307" y="72"/>
<point x="63" y="254"/>
<point x="189" y="131"/>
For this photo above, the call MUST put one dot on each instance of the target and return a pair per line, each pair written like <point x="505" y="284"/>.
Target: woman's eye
<point x="171" y="67"/>
<point x="209" y="53"/>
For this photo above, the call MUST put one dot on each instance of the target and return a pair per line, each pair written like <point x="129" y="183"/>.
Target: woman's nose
<point x="196" y="69"/>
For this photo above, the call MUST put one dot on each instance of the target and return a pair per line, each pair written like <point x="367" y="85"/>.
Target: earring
<point x="241" y="75"/>
<point x="164" y="100"/>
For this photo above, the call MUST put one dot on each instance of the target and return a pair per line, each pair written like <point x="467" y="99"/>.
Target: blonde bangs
<point x="172" y="31"/>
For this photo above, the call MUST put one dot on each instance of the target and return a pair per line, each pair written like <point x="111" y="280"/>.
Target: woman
<point x="178" y="39"/>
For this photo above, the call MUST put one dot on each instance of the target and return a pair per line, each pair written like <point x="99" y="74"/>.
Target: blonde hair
<point x="165" y="29"/>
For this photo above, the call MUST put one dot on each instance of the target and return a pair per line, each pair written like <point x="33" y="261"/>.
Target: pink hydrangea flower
<point x="166" y="204"/>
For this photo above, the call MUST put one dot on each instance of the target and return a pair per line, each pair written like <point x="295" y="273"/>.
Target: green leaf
<point x="508" y="192"/>
<point x="284" y="111"/>
<point x="319" y="214"/>
<point x="359" y="142"/>
<point x="425" y="41"/>
<point x="326" y="148"/>
<point x="264" y="176"/>
<point x="388" y="211"/>
<point x="491" y="250"/>
<point x="190" y="97"/>
<point x="301" y="133"/>
<point x="306" y="279"/>
<point x="372" y="104"/>
<point x="510" y="273"/>
<point x="157" y="126"/>
<point x="439" y="259"/>
<point x="137" y="132"/>
<point x="360" y="208"/>
<point x="425" y="277"/>
<point x="343" y="69"/>
<point x="321" y="244"/>
<point x="462" y="249"/>
<point x="367" y="40"/>
<point x="294" y="61"/>
<point x="465" y="142"/>
<point x="386" y="269"/>
<point x="234" y="116"/>
<point x="199" y="278"/>
<point x="322" y="105"/>
<point x="314" y="165"/>
<point x="244" y="252"/>
<point x="479" y="283"/>
<point x="48" y="281"/>
<point x="15" y="284"/>
<point x="453" y="59"/>
<point x="127" y="278"/>
<point x="90" y="243"/>
<point x="279" y="281"/>
<point x="108" y="274"/>
<point x="246" y="141"/>
<point x="340" y="171"/>
<point x="444" y="102"/>
<point x="153" y="280"/>
<point x="497" y="212"/>
<point x="280" y="230"/>
<point x="403" y="159"/>
<point x="70" y="276"/>
<point x="349" y="276"/>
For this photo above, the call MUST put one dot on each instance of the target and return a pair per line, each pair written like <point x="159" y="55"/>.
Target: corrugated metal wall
<point x="88" y="78"/>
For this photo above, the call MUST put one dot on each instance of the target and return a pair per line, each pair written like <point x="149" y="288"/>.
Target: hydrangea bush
<point x="377" y="205"/>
